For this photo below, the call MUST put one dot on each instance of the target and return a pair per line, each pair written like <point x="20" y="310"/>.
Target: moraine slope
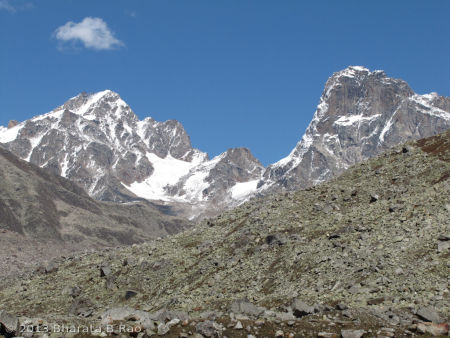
<point x="370" y="250"/>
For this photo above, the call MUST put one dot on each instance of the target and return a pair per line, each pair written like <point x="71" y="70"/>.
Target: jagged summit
<point x="100" y="143"/>
<point x="360" y="114"/>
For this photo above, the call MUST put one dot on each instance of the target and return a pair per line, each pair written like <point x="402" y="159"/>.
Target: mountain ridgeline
<point x="98" y="142"/>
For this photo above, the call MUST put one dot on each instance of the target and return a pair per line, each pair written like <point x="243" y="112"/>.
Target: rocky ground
<point x="364" y="255"/>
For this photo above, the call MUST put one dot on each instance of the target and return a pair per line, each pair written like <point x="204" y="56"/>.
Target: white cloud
<point x="91" y="32"/>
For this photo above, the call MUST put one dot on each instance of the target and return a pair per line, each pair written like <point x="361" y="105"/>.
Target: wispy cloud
<point x="91" y="32"/>
<point x="6" y="5"/>
<point x="14" y="6"/>
<point x="131" y="14"/>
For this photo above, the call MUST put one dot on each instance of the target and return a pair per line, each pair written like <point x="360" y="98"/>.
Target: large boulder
<point x="300" y="308"/>
<point x="246" y="308"/>
<point x="429" y="315"/>
<point x="8" y="323"/>
<point x="128" y="314"/>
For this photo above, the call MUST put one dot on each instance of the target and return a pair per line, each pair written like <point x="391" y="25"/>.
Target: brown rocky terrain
<point x="363" y="255"/>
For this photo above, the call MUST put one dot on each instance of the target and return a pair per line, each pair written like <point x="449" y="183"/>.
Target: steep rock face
<point x="97" y="141"/>
<point x="360" y="114"/>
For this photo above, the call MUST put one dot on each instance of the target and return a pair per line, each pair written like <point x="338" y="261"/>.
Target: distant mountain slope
<point x="43" y="215"/>
<point x="361" y="114"/>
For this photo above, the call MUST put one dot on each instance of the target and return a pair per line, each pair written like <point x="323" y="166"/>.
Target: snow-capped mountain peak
<point x="98" y="141"/>
<point x="360" y="114"/>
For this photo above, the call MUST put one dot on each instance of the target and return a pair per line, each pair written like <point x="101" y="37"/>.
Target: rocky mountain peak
<point x="97" y="141"/>
<point x="12" y="124"/>
<point x="101" y="105"/>
<point x="360" y="114"/>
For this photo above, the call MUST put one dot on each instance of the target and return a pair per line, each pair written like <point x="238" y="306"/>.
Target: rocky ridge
<point x="365" y="254"/>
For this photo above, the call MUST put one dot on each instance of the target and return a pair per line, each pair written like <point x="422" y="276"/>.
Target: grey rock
<point x="326" y="335"/>
<point x="130" y="294"/>
<point x="209" y="328"/>
<point x="105" y="271"/>
<point x="126" y="313"/>
<point x="110" y="282"/>
<point x="352" y="333"/>
<point x="341" y="307"/>
<point x="435" y="330"/>
<point x="275" y="239"/>
<point x="279" y="334"/>
<point x="428" y="314"/>
<point x="9" y="322"/>
<point x="300" y="308"/>
<point x="443" y="246"/>
<point x="72" y="291"/>
<point x="164" y="328"/>
<point x="444" y="237"/>
<point x="51" y="267"/>
<point x="12" y="124"/>
<point x="374" y="198"/>
<point x="284" y="316"/>
<point x="246" y="308"/>
<point x="81" y="307"/>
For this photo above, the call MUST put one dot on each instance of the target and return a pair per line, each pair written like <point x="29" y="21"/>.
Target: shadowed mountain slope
<point x="43" y="215"/>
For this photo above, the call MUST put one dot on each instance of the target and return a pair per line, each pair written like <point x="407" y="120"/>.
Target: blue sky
<point x="235" y="73"/>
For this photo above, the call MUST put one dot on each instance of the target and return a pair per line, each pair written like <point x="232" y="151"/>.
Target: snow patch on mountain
<point x="243" y="190"/>
<point x="350" y="120"/>
<point x="8" y="135"/>
<point x="427" y="105"/>
<point x="167" y="171"/>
